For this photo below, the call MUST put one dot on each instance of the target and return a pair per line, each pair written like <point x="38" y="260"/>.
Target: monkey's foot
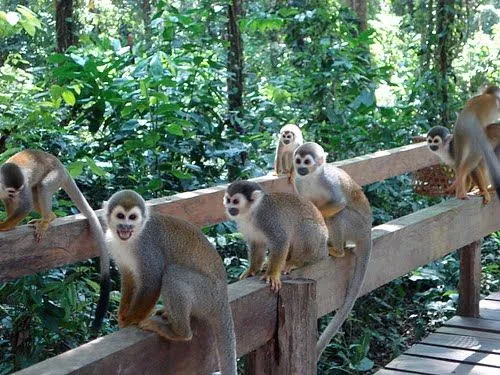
<point x="451" y="188"/>
<point x="288" y="268"/>
<point x="162" y="313"/>
<point x="274" y="280"/>
<point x="164" y="330"/>
<point x="247" y="273"/>
<point x="486" y="196"/>
<point x="336" y="252"/>
<point x="41" y="226"/>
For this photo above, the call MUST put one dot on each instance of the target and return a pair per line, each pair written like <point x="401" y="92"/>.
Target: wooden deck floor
<point x="462" y="346"/>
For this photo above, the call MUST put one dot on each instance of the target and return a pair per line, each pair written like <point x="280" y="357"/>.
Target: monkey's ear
<point x="104" y="205"/>
<point x="256" y="194"/>
<point x="322" y="159"/>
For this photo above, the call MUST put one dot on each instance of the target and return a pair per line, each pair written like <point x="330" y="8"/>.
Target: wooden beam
<point x="404" y="243"/>
<point x="469" y="284"/>
<point x="293" y="349"/>
<point x="68" y="239"/>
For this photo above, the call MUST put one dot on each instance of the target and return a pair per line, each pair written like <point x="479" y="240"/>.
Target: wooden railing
<point x="277" y="333"/>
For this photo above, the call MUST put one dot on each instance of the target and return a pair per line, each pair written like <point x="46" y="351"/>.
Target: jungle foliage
<point x="145" y="95"/>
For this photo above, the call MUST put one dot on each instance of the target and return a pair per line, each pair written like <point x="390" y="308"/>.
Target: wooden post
<point x="293" y="349"/>
<point x="469" y="285"/>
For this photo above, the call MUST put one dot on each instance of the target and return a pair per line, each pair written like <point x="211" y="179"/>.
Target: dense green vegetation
<point x="149" y="98"/>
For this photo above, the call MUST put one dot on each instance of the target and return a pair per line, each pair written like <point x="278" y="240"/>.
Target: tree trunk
<point x="235" y="65"/>
<point x="65" y="27"/>
<point x="443" y="29"/>
<point x="361" y="9"/>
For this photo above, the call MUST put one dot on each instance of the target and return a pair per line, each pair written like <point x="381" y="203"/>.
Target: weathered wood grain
<point x="493" y="296"/>
<point x="405" y="244"/>
<point x="469" y="284"/>
<point x="68" y="239"/>
<point x="489" y="309"/>
<point x="474" y="324"/>
<point x="478" y="344"/>
<point x="468" y="332"/>
<point x="398" y="243"/>
<point x="292" y="351"/>
<point x="470" y="357"/>
<point x="437" y="367"/>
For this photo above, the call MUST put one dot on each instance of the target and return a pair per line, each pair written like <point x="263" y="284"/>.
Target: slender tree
<point x="235" y="65"/>
<point x="65" y="27"/>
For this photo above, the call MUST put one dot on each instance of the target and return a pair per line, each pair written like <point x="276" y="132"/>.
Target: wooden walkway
<point x="462" y="346"/>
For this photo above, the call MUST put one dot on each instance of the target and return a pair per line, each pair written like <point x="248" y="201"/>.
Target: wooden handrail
<point x="398" y="247"/>
<point x="68" y="239"/>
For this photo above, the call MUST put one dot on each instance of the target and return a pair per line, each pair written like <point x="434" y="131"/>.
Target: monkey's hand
<point x="248" y="273"/>
<point x="41" y="226"/>
<point x="274" y="280"/>
<point x="338" y="253"/>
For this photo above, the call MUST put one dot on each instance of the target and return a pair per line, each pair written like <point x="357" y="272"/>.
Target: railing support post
<point x="469" y="285"/>
<point x="293" y="348"/>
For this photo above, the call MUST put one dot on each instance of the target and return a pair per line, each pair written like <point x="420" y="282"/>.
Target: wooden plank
<point x="474" y="324"/>
<point x="132" y="351"/>
<point x="478" y="344"/>
<point x="464" y="220"/>
<point x="68" y="239"/>
<point x="430" y="366"/>
<point x="490" y="309"/>
<point x="469" y="284"/>
<point x="293" y="350"/>
<point x="456" y="355"/>
<point x="493" y="296"/>
<point x="392" y="372"/>
<point x="468" y="332"/>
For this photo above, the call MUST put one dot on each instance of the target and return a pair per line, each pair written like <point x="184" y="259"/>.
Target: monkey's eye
<point x="297" y="161"/>
<point x="133" y="217"/>
<point x="236" y="201"/>
<point x="307" y="162"/>
<point x="120" y="216"/>
<point x="228" y="200"/>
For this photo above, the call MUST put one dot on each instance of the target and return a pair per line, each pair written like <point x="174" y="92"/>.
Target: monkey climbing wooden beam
<point x="399" y="246"/>
<point x="68" y="240"/>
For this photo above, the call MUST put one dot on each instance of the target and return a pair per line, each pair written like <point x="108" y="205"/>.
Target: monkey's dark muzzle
<point x="286" y="141"/>
<point x="303" y="171"/>
<point x="233" y="211"/>
<point x="433" y="147"/>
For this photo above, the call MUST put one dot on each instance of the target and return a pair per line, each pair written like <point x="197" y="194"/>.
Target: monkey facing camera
<point x="348" y="217"/>
<point x="290" y="137"/>
<point x="168" y="257"/>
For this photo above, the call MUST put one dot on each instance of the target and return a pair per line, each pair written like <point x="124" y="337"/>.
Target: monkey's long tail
<point x="81" y="203"/>
<point x="226" y="341"/>
<point x="491" y="159"/>
<point x="362" y="255"/>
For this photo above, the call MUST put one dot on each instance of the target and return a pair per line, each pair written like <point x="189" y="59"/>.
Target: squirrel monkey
<point x="28" y="180"/>
<point x="470" y="140"/>
<point x="163" y="255"/>
<point x="347" y="215"/>
<point x="289" y="226"/>
<point x="290" y="137"/>
<point x="440" y="141"/>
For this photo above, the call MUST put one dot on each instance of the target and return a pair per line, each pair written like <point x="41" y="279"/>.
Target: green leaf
<point x="76" y="168"/>
<point x="56" y="92"/>
<point x="69" y="97"/>
<point x="95" y="168"/>
<point x="175" y="129"/>
<point x="182" y="175"/>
